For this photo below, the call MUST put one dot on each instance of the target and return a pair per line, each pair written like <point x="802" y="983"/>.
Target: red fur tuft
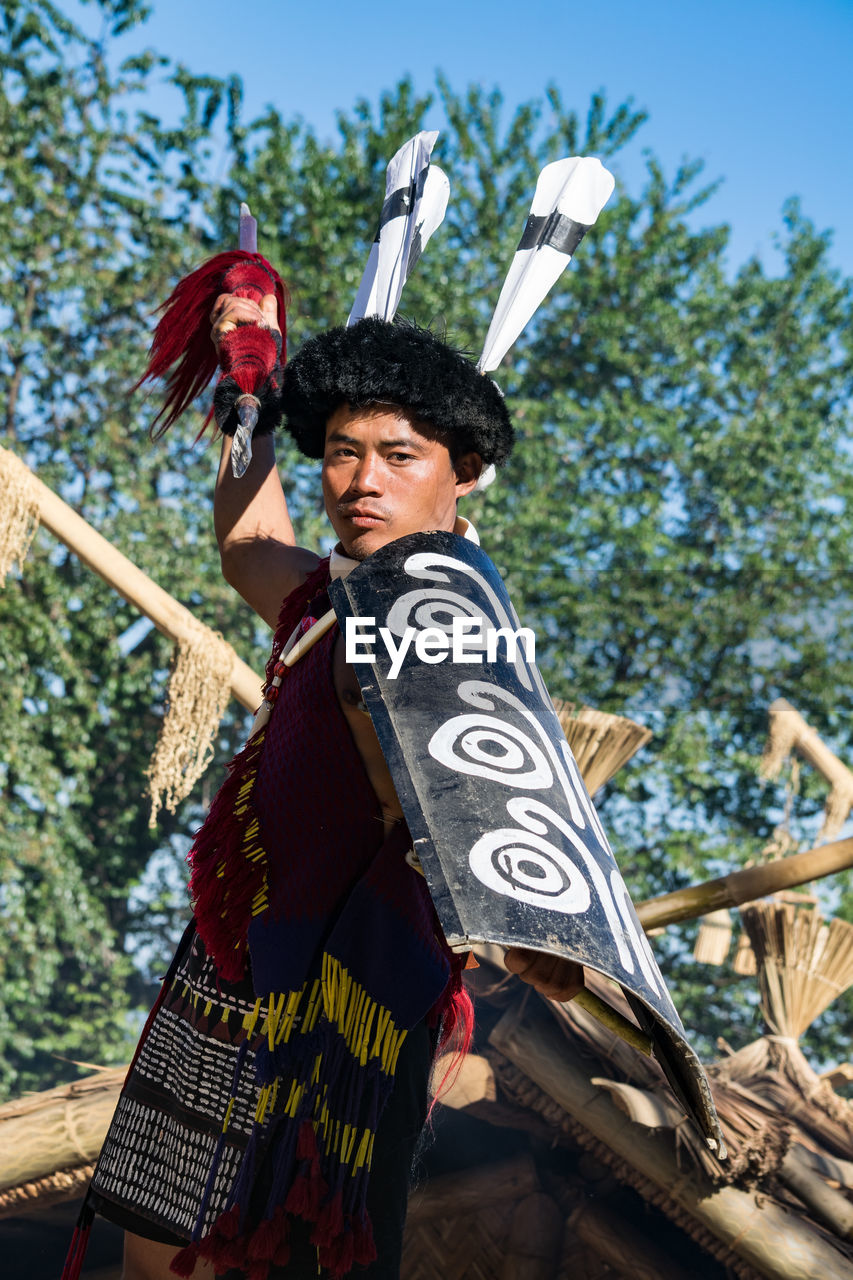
<point x="248" y="355"/>
<point x="181" y="340"/>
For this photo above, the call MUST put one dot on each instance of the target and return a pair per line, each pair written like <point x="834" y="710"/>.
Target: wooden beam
<point x="472" y="1081"/>
<point x="747" y="885"/>
<point x="777" y="1243"/>
<point x="167" y="614"/>
<point x="59" y="1129"/>
<point x="827" y="1205"/>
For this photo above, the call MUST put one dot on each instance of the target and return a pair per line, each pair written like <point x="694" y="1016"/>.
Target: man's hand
<point x="229" y="311"/>
<point x="552" y="976"/>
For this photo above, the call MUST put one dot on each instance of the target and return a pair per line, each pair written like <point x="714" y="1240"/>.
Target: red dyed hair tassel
<point x="182" y="342"/>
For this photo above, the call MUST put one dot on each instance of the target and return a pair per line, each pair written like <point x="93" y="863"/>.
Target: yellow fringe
<point x="355" y="1014"/>
<point x="368" y="1031"/>
<point x="228" y="1110"/>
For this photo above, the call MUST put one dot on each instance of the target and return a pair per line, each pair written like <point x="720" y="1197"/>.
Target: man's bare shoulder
<point x="265" y="571"/>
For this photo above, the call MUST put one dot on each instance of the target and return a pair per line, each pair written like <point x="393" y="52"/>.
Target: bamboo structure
<point x="464" y="1192"/>
<point x="167" y="614"/>
<point x="206" y="669"/>
<point x="535" y="1237"/>
<point x="42" y="1193"/>
<point x="601" y="743"/>
<point x="60" y="1129"/>
<point x="770" y="1241"/>
<point x="789" y="732"/>
<point x="19" y="503"/>
<point x="745" y="886"/>
<point x="624" y="1249"/>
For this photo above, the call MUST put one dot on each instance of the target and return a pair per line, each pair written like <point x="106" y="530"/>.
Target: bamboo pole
<point x="775" y="1242"/>
<point x="60" y="1129"/>
<point x="167" y="614"/>
<point x="789" y="732"/>
<point x="745" y="886"/>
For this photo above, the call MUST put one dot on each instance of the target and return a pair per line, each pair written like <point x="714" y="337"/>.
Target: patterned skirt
<point x="153" y="1169"/>
<point x="154" y="1164"/>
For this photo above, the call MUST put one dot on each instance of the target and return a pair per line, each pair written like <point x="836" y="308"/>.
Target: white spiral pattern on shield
<point x="485" y="747"/>
<point x="431" y="607"/>
<point x="530" y="869"/>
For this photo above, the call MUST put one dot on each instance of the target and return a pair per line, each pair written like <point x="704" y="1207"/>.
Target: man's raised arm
<point x="253" y="529"/>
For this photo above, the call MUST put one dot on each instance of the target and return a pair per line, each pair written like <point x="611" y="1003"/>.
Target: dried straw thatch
<point x="199" y="690"/>
<point x="804" y="963"/>
<point x="19" y="511"/>
<point x="714" y="937"/>
<point x="601" y="743"/>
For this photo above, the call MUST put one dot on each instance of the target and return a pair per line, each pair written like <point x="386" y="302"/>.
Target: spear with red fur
<point x="251" y="357"/>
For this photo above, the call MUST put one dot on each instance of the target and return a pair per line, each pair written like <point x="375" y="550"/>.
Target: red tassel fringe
<point x="266" y="1240"/>
<point x="457" y="1026"/>
<point x="330" y="1221"/>
<point x="184" y="1263"/>
<point x="224" y="882"/>
<point x="223" y="1245"/>
<point x="182" y="338"/>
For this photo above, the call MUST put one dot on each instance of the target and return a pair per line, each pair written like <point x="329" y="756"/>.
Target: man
<point x="273" y="1107"/>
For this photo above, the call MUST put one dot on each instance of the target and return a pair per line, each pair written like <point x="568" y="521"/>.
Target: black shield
<point x="508" y="838"/>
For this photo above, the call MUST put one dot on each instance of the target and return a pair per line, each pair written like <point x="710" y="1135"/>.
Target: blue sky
<point x="761" y="89"/>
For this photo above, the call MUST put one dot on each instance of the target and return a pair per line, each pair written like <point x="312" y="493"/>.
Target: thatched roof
<point x="781" y="1206"/>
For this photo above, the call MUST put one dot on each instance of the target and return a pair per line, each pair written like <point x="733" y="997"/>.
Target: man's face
<point x="383" y="478"/>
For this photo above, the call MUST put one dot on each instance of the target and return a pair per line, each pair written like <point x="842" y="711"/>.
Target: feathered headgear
<point x="373" y="360"/>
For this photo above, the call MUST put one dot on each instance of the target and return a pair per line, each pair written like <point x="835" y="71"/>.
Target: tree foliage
<point x="674" y="521"/>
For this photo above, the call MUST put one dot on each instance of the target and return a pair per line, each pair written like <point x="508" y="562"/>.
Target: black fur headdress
<point x="377" y="362"/>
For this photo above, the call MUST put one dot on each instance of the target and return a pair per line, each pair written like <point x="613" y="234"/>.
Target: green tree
<point x="673" y="521"/>
<point x="95" y="225"/>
